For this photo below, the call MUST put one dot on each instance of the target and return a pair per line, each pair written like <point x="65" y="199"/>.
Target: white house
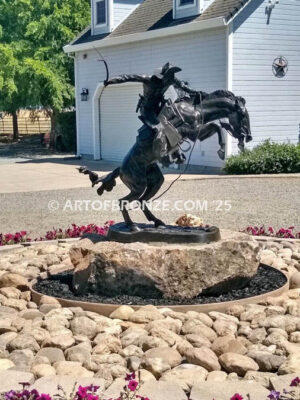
<point x="237" y="45"/>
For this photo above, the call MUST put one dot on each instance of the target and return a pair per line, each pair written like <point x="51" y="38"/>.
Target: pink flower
<point x="129" y="377"/>
<point x="236" y="397"/>
<point x="132" y="385"/>
<point x="82" y="392"/>
<point x="295" y="382"/>
<point x="44" y="397"/>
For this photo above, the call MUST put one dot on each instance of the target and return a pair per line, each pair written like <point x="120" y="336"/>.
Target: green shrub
<point x="267" y="158"/>
<point x="66" y="127"/>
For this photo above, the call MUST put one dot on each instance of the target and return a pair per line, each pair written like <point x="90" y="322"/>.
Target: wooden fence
<point x="26" y="125"/>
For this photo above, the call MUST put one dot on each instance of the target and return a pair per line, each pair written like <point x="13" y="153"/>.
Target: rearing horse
<point x="218" y="113"/>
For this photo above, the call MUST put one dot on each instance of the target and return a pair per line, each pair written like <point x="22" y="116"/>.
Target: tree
<point x="35" y="31"/>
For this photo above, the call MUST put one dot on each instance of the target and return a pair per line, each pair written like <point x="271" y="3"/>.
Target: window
<point x="186" y="3"/>
<point x="101" y="12"/>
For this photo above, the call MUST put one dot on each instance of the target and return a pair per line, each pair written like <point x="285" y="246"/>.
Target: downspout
<point x="73" y="56"/>
<point x="229" y="59"/>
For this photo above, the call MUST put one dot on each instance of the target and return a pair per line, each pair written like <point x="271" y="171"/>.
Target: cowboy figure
<point x="152" y="101"/>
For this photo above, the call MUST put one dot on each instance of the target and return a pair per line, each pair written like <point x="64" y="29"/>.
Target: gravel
<point x="266" y="280"/>
<point x="253" y="201"/>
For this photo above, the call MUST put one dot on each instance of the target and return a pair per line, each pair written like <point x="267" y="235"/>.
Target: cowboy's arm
<point x="127" y="78"/>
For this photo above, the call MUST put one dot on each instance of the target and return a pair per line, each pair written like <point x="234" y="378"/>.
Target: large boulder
<point x="170" y="270"/>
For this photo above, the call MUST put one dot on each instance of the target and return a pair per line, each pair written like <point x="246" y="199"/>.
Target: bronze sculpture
<point x="166" y="126"/>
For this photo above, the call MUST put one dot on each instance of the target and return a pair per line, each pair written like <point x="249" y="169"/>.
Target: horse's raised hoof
<point x="241" y="147"/>
<point x="221" y="154"/>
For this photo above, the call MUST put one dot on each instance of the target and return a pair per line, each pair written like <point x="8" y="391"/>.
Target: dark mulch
<point x="266" y="280"/>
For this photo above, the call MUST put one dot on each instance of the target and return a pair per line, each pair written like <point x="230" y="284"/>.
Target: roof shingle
<point x="157" y="14"/>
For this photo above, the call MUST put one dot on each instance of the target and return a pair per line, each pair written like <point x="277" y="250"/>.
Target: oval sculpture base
<point x="168" y="234"/>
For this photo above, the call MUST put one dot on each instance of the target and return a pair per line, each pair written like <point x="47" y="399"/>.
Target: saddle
<point x="168" y="138"/>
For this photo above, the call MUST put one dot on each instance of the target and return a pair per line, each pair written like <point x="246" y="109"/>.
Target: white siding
<point x="122" y="8"/>
<point x="273" y="103"/>
<point x="201" y="55"/>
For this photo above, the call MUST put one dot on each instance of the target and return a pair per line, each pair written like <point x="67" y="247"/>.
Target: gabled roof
<point x="157" y="14"/>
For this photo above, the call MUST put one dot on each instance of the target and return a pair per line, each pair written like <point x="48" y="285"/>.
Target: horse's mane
<point x="220" y="93"/>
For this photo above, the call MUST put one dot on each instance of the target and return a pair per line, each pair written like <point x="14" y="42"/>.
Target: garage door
<point x="119" y="121"/>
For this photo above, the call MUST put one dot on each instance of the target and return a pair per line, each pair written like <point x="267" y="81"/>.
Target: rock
<point x="262" y="378"/>
<point x="31" y="314"/>
<point x="11" y="379"/>
<point x="80" y="353"/>
<point x="72" y="368"/>
<point x="217" y="376"/>
<point x="146" y="376"/>
<point x="238" y="363"/>
<point x="132" y="335"/>
<point x="171" y="324"/>
<point x="267" y="362"/>
<point x="185" y="375"/>
<point x="207" y="391"/>
<point x="204" y="357"/>
<point x="60" y="341"/>
<point x="135" y="265"/>
<point x="122" y="313"/>
<point x="6" y="364"/>
<point x="11" y="292"/>
<point x="106" y="359"/>
<point x="197" y="327"/>
<point x="295" y="337"/>
<point x="288" y="323"/>
<point x="133" y="363"/>
<point x="40" y="335"/>
<point x="257" y="335"/>
<point x="49" y="300"/>
<point x="19" y="305"/>
<point x="226" y="344"/>
<point x="204" y="318"/>
<point x="170" y="356"/>
<point x="198" y="340"/>
<point x="157" y="366"/>
<point x="236" y="310"/>
<point x="45" y="308"/>
<point x="22" y="357"/>
<point x="22" y="342"/>
<point x="105" y="374"/>
<point x="283" y="382"/>
<point x="224" y="328"/>
<point x="162" y="391"/>
<point x="295" y="281"/>
<point x="14" y="280"/>
<point x="291" y="365"/>
<point x="146" y="314"/>
<point x="84" y="326"/>
<point x="40" y="360"/>
<point x="41" y="370"/>
<point x="118" y="371"/>
<point x="131" y="351"/>
<point x="150" y="342"/>
<point x="53" y="354"/>
<point x="68" y="383"/>
<point x="107" y="344"/>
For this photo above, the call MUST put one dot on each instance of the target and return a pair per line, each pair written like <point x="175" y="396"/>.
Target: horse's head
<point x="240" y="122"/>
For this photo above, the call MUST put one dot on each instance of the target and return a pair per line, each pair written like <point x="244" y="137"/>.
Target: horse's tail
<point x="108" y="181"/>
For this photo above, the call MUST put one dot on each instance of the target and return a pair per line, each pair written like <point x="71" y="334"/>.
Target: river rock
<point x="170" y="356"/>
<point x="238" y="363"/>
<point x="137" y="268"/>
<point x="204" y="357"/>
<point x="186" y="376"/>
<point x="14" y="280"/>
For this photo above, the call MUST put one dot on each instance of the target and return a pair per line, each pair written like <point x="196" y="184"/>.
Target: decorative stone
<point x="41" y="370"/>
<point x="204" y="357"/>
<point x="146" y="314"/>
<point x="295" y="281"/>
<point x="71" y="368"/>
<point x="14" y="280"/>
<point x="22" y="357"/>
<point x="84" y="326"/>
<point x="238" y="363"/>
<point x="291" y="365"/>
<point x="61" y="341"/>
<point x="22" y="342"/>
<point x="198" y="340"/>
<point x="6" y="364"/>
<point x="138" y="265"/>
<point x="266" y="361"/>
<point x="228" y="344"/>
<point x="185" y="375"/>
<point x="11" y="292"/>
<point x="170" y="356"/>
<point x="53" y="354"/>
<point x="11" y="379"/>
<point x="122" y="313"/>
<point x="225" y="390"/>
<point x="217" y="376"/>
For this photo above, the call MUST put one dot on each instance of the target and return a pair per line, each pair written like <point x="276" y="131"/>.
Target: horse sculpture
<point x="189" y="118"/>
